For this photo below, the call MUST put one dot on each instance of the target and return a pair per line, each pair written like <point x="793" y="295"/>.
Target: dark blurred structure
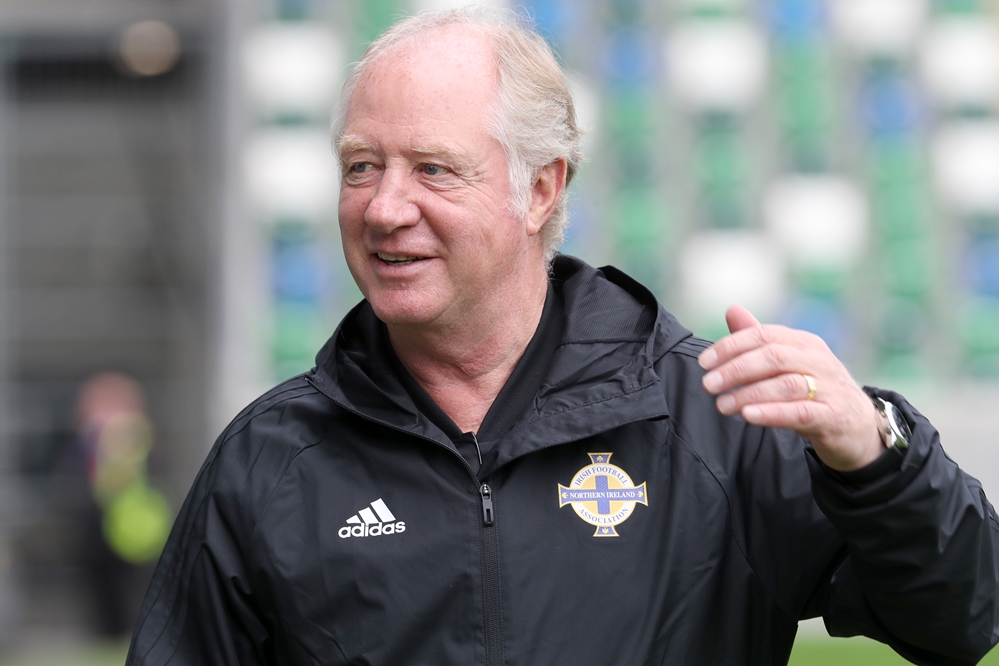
<point x="106" y="145"/>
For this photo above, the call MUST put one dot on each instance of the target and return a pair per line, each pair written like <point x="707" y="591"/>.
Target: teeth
<point x="396" y="258"/>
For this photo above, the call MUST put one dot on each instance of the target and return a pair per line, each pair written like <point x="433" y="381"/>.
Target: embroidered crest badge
<point x="602" y="494"/>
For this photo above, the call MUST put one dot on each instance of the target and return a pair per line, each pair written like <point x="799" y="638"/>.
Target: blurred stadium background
<point x="168" y="212"/>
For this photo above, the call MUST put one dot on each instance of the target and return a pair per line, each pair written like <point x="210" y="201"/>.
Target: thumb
<point x="738" y="318"/>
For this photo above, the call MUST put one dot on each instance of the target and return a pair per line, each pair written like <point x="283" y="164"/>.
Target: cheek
<point x="351" y="212"/>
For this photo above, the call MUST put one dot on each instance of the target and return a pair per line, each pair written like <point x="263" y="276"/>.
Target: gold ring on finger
<point x="811" y="383"/>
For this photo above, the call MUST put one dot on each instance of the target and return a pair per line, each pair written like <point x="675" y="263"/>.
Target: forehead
<point x="444" y="77"/>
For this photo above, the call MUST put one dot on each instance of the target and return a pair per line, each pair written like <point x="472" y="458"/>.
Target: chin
<point x="402" y="311"/>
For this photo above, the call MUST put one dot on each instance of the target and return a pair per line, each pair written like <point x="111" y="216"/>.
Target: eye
<point x="433" y="169"/>
<point x="358" y="173"/>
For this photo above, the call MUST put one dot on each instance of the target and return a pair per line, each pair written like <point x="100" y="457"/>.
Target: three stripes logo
<point x="374" y="520"/>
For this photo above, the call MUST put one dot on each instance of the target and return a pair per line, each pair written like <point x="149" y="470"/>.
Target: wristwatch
<point x="894" y="430"/>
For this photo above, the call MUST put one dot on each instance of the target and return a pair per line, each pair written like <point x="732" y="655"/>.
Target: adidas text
<point x="374" y="520"/>
<point x="377" y="529"/>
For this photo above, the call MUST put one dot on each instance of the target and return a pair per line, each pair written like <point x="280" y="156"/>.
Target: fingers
<point x="801" y="416"/>
<point x="755" y="337"/>
<point x="783" y="388"/>
<point x="759" y="364"/>
<point x="738" y="318"/>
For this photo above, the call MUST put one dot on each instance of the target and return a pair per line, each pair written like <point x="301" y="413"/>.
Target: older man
<point x="503" y="458"/>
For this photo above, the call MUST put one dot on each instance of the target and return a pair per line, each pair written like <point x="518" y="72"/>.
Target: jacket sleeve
<point x="921" y="566"/>
<point x="199" y="609"/>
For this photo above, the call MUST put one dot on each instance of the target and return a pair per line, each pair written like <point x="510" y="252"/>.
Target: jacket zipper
<point x="491" y="581"/>
<point x="490" y="549"/>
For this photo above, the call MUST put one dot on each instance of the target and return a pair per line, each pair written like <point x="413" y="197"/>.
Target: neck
<point x="464" y="367"/>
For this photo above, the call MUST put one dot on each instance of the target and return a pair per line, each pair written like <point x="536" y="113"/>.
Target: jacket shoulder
<point x="191" y="594"/>
<point x="690" y="346"/>
<point x="253" y="453"/>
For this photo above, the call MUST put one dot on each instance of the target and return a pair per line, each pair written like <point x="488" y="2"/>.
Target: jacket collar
<point x="601" y="376"/>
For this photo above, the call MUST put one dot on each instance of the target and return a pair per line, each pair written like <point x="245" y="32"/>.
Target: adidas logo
<point x="375" y="520"/>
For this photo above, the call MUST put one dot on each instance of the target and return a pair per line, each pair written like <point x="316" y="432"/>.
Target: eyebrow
<point x="350" y="143"/>
<point x="455" y="157"/>
<point x="459" y="159"/>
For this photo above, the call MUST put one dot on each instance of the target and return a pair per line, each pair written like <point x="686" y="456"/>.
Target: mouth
<point x="397" y="259"/>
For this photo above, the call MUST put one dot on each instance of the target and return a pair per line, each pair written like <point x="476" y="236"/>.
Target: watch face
<point x="897" y="422"/>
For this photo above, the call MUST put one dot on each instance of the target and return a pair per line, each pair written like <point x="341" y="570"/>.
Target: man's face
<point x="423" y="199"/>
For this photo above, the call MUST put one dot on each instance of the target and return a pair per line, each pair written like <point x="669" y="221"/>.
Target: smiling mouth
<point x="397" y="259"/>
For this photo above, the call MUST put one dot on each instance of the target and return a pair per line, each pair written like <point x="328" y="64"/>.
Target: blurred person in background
<point x="505" y="455"/>
<point x="126" y="521"/>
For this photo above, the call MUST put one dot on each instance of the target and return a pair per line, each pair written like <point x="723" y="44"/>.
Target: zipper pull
<point x="487" y="494"/>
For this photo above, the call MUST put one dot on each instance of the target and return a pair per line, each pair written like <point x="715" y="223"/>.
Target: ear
<point x="545" y="193"/>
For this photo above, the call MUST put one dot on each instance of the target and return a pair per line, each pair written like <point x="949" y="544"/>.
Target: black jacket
<point x="334" y="523"/>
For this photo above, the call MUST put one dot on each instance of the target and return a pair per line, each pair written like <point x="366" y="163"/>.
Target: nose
<point x="392" y="206"/>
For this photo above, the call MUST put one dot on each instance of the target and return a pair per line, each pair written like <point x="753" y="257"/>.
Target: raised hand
<point x="785" y="378"/>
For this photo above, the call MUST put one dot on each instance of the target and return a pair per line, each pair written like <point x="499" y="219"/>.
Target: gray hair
<point x="533" y="116"/>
